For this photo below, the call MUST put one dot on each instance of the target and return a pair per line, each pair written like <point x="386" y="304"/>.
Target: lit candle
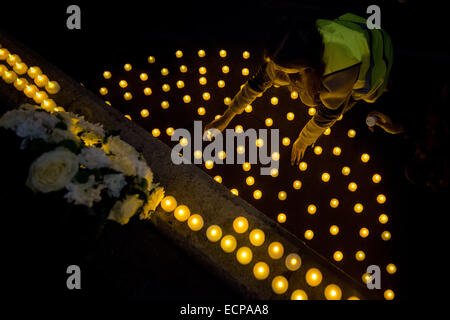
<point x="312" y="209"/>
<point x="222" y="53"/>
<point x="352" y="186"/>
<point x="312" y="111"/>
<point x="391" y="268"/>
<point x="209" y="164"/>
<point x="297" y="184"/>
<point x="246" y="166"/>
<point x="164" y="71"/>
<point x="12" y="59"/>
<point x="274" y="172"/>
<point x="214" y="233"/>
<point x="294" y="95"/>
<point x="259" y="143"/>
<point x="206" y="96"/>
<point x="20" y="83"/>
<point x="127" y="67"/>
<point x="245" y="71"/>
<point x="123" y="84"/>
<point x="143" y="76"/>
<point x="179" y="53"/>
<point x="3" y="68"/>
<point x="156" y="132"/>
<point x="309" y="234"/>
<point x="358" y="208"/>
<point x="261" y="270"/>
<point x="30" y="90"/>
<point x="282" y="195"/>
<point x="41" y="80"/>
<point x="293" y="262"/>
<point x="52" y="87"/>
<point x="337" y="151"/>
<point x="180" y="84"/>
<point x="351" y="133"/>
<point x="4" y="53"/>
<point x="240" y="225"/>
<point x="334" y="203"/>
<point x="383" y="218"/>
<point x="165" y="87"/>
<point x="269" y="122"/>
<point x="244" y="255"/>
<point x="365" y="157"/>
<point x="364" y="232"/>
<point x="9" y="76"/>
<point x="127" y="96"/>
<point x="151" y="59"/>
<point x="313" y="277"/>
<point x="333" y="292"/>
<point x="147" y="91"/>
<point x="183" y="68"/>
<point x="274" y="101"/>
<point x="257" y="237"/>
<point x="299" y="295"/>
<point x="246" y="54"/>
<point x="334" y="230"/>
<point x="325" y="177"/>
<point x="345" y="171"/>
<point x="103" y="91"/>
<point x="198" y="154"/>
<point x="225" y="69"/>
<point x="389" y="294"/>
<point x="33" y="72"/>
<point x="195" y="222"/>
<point x="201" y="53"/>
<point x="327" y="132"/>
<point x="318" y="150"/>
<point x="286" y="142"/>
<point x="144" y="113"/>
<point x="202" y="70"/>
<point x="257" y="194"/>
<point x="303" y="166"/>
<point x="228" y="243"/>
<point x="221" y="83"/>
<point x="386" y="236"/>
<point x="281" y="218"/>
<point x="218" y="179"/>
<point x="40" y="96"/>
<point x="234" y="191"/>
<point x="20" y="68"/>
<point x="250" y="180"/>
<point x="201" y="111"/>
<point x="381" y="198"/>
<point x="48" y="104"/>
<point x="279" y="284"/>
<point x="360" y="255"/>
<point x="202" y="81"/>
<point x="275" y="250"/>
<point x="186" y="98"/>
<point x="338" y="256"/>
<point x="238" y="129"/>
<point x="227" y="101"/>
<point x="290" y="116"/>
<point x="168" y="204"/>
<point x="165" y="104"/>
<point x="182" y="213"/>
<point x="376" y="178"/>
<point x="107" y="74"/>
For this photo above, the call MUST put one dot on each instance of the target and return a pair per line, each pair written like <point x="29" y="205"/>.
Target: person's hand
<point x="219" y="124"/>
<point x="385" y="122"/>
<point x="298" y="151"/>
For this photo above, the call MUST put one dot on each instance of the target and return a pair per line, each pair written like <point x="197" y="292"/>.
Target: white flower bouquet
<point x="85" y="162"/>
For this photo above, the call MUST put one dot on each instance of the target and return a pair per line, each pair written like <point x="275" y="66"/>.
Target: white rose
<point x="12" y="118"/>
<point x="123" y="210"/>
<point x="153" y="200"/>
<point x="52" y="171"/>
<point x="114" y="183"/>
<point x="93" y="158"/>
<point x="84" y="193"/>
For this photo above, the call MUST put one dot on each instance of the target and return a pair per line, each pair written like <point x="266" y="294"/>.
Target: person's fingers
<point x="300" y="155"/>
<point x="293" y="155"/>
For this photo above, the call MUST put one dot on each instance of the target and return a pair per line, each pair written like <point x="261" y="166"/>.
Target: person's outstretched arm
<point x="256" y="85"/>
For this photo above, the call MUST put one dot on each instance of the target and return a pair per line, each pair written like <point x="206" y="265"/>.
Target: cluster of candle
<point x="32" y="89"/>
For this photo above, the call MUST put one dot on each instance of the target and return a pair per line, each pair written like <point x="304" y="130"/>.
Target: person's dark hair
<point x="295" y="43"/>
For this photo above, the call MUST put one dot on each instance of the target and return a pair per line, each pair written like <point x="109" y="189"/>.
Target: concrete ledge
<point x="194" y="188"/>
